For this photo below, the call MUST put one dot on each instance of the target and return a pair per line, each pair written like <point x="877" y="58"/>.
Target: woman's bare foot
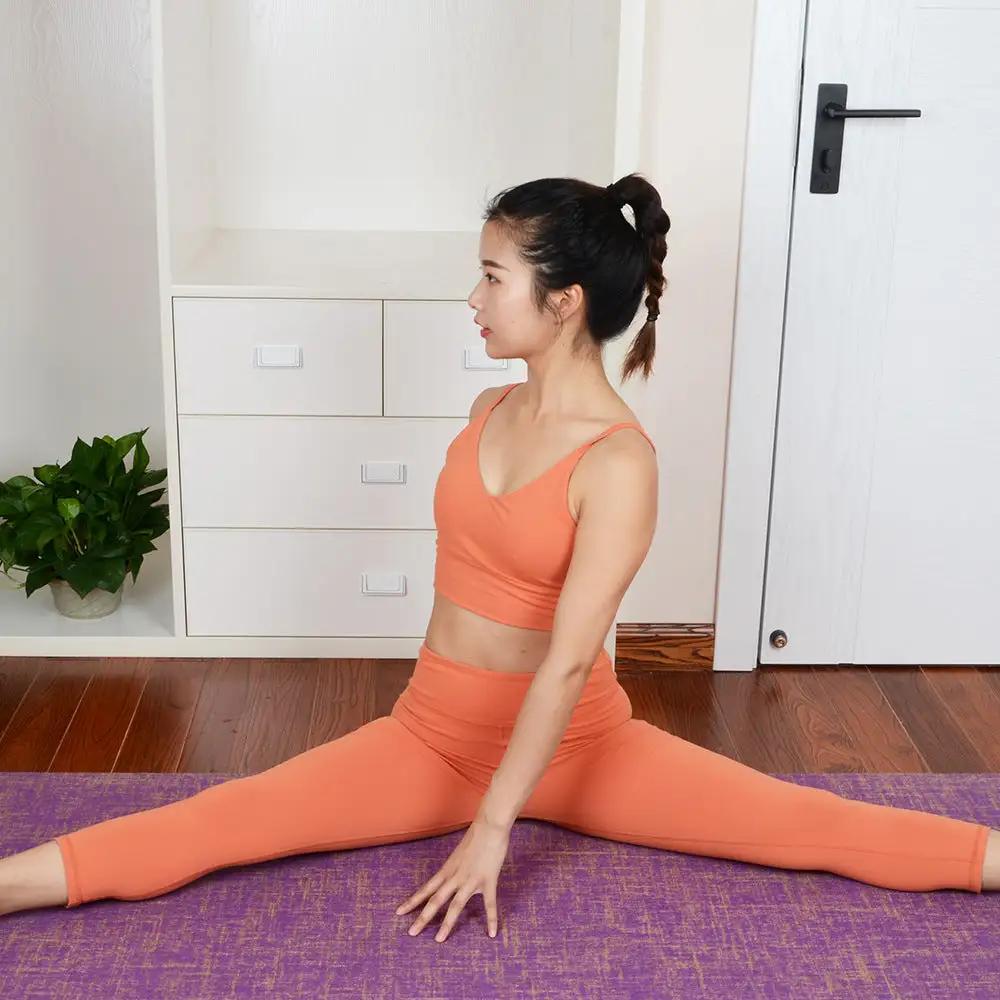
<point x="991" y="862"/>
<point x="33" y="878"/>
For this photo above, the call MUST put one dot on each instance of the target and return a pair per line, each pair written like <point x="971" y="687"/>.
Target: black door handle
<point x="834" y="110"/>
<point x="828" y="137"/>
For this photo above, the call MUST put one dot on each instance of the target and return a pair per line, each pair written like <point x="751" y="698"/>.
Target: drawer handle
<point x="278" y="356"/>
<point x="476" y="357"/>
<point x="383" y="472"/>
<point x="383" y="584"/>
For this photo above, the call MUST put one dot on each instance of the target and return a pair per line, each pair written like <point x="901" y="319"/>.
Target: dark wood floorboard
<point x="241" y="716"/>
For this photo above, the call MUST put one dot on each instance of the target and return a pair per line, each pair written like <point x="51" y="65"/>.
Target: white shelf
<point x="362" y="264"/>
<point x="350" y="150"/>
<point x="146" y="611"/>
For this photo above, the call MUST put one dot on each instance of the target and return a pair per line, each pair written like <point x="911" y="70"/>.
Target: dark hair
<point x="574" y="232"/>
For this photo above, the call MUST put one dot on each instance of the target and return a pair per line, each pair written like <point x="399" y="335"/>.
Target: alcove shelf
<point x="309" y="263"/>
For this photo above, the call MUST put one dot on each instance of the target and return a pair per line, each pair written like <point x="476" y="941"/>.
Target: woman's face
<point x="503" y="303"/>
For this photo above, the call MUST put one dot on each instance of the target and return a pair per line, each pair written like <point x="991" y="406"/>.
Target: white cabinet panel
<point x="297" y="582"/>
<point x="436" y="361"/>
<point x="295" y="356"/>
<point x="312" y="472"/>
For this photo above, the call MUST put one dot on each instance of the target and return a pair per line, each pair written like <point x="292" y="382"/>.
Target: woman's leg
<point x="643" y="785"/>
<point x="378" y="784"/>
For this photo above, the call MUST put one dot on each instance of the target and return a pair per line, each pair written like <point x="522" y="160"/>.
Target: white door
<point x="884" y="535"/>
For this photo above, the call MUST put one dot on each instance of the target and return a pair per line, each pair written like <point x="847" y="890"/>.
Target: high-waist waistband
<point x="467" y="712"/>
<point x="430" y="655"/>
<point x="493" y="696"/>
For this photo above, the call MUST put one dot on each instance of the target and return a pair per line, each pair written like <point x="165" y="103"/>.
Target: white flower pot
<point x="96" y="604"/>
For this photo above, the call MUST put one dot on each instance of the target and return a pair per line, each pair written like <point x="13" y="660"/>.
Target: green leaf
<point x="46" y="535"/>
<point x="38" y="577"/>
<point x="69" y="507"/>
<point x="46" y="474"/>
<point x="19" y="482"/>
<point x="38" y="499"/>
<point x="152" y="478"/>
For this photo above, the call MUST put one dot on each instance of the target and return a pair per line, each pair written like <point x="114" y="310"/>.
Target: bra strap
<point x="499" y="398"/>
<point x="618" y="426"/>
<point x="586" y="444"/>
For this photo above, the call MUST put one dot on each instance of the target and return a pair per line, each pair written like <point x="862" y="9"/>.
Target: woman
<point x="545" y="509"/>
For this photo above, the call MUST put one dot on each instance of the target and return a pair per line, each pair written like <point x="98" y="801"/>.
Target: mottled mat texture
<point x="580" y="916"/>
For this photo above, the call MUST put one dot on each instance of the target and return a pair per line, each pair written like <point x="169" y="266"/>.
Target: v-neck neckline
<point x="479" y="436"/>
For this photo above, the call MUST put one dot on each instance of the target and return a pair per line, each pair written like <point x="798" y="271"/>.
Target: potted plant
<point x="84" y="525"/>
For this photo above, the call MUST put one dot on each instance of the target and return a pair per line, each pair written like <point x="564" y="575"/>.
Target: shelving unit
<point x="321" y="172"/>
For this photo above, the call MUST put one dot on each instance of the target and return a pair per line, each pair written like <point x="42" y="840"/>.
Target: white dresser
<point x="309" y="451"/>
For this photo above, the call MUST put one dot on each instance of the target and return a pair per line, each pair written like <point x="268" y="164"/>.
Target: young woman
<point x="545" y="509"/>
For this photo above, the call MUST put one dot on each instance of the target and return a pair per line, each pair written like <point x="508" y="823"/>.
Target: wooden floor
<point x="240" y="716"/>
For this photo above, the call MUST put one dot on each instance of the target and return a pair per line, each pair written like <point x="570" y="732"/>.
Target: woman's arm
<point x="614" y="532"/>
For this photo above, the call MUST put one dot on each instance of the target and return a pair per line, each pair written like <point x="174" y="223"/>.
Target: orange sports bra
<point x="505" y="557"/>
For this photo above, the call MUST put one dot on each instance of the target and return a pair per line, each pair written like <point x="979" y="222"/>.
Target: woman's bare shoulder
<point x="484" y="399"/>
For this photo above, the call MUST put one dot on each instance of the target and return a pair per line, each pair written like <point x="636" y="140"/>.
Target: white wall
<point x="81" y="352"/>
<point x="697" y="68"/>
<point x="79" y="313"/>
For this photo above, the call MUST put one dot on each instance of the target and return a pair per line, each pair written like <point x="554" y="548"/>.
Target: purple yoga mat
<point x="579" y="916"/>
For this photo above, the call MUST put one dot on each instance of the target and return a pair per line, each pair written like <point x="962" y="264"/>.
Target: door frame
<point x="758" y="328"/>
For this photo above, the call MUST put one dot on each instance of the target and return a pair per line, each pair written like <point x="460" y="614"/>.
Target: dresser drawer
<point x="283" y="582"/>
<point x="261" y="355"/>
<point x="312" y="472"/>
<point x="435" y="361"/>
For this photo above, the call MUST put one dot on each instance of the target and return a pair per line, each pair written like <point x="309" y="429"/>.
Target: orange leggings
<point x="422" y="770"/>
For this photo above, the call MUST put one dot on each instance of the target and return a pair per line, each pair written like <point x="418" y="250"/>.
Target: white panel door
<point x="884" y="543"/>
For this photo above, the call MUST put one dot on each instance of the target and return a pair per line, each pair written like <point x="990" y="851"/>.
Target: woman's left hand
<point x="473" y="867"/>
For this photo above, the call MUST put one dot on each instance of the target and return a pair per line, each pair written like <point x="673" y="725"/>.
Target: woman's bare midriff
<point x="460" y="634"/>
